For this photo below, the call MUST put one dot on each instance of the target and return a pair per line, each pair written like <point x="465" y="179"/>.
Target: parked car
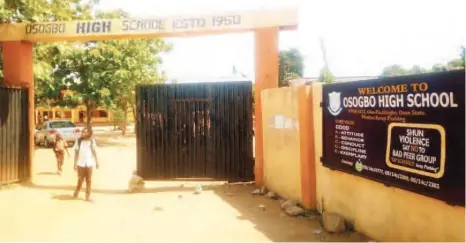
<point x="45" y="134"/>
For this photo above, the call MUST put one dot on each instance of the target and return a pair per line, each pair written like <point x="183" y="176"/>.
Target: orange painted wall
<point x="288" y="143"/>
<point x="282" y="156"/>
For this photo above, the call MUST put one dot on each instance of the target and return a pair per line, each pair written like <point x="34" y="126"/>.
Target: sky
<point x="361" y="36"/>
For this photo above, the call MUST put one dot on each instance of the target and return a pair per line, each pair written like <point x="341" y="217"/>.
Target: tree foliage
<point x="92" y="74"/>
<point x="134" y="62"/>
<point x="291" y="66"/>
<point x="138" y="63"/>
<point x="105" y="73"/>
<point x="394" y="70"/>
<point x="20" y="11"/>
<point x="326" y="76"/>
<point x="85" y="70"/>
<point x="398" y="70"/>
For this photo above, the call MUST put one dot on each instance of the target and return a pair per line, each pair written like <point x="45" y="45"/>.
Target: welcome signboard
<point x="403" y="131"/>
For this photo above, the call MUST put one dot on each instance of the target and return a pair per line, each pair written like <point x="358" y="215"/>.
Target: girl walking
<point x="59" y="149"/>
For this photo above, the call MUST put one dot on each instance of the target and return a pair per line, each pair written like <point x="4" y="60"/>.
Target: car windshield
<point x="61" y="124"/>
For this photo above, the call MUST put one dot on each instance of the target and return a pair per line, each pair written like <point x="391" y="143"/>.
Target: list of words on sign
<point x="347" y="142"/>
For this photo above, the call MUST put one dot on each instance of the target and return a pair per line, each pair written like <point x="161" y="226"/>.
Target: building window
<point x="100" y="114"/>
<point x="67" y="114"/>
<point x="47" y="115"/>
<point x="103" y="113"/>
<point x="58" y="114"/>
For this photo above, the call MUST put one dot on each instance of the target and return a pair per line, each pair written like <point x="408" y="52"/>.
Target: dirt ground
<point x="166" y="211"/>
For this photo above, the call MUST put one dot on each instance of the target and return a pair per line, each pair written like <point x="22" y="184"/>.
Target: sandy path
<point x="167" y="212"/>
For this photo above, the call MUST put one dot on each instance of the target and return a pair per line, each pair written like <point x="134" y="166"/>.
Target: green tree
<point x="326" y="76"/>
<point x="137" y="62"/>
<point x="463" y="55"/>
<point x="416" y="69"/>
<point x="87" y="70"/>
<point x="117" y="117"/>
<point x="291" y="66"/>
<point x="458" y="63"/>
<point x="16" y="11"/>
<point x="438" y="68"/>
<point x="134" y="62"/>
<point x="398" y="70"/>
<point x="394" y="70"/>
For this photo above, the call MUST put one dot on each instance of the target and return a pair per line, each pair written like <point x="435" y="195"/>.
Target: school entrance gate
<point x="17" y="42"/>
<point x="195" y="130"/>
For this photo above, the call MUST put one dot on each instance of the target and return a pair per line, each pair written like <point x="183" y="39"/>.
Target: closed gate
<point x="14" y="135"/>
<point x="196" y="130"/>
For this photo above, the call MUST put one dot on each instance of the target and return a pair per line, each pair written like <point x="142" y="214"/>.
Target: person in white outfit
<point x="85" y="158"/>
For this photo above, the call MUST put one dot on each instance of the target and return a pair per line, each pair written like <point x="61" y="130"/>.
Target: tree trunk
<point x="125" y="121"/>
<point x="134" y="116"/>
<point x="89" y="110"/>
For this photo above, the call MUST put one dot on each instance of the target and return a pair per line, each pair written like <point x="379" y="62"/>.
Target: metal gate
<point x="195" y="130"/>
<point x="14" y="135"/>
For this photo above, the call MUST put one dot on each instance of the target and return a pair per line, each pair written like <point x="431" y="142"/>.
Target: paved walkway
<point x="166" y="212"/>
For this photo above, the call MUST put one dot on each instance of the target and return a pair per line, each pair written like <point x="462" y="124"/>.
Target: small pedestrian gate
<point x="195" y="130"/>
<point x="14" y="135"/>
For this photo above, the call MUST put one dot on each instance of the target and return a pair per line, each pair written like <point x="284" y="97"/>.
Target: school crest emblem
<point x="334" y="103"/>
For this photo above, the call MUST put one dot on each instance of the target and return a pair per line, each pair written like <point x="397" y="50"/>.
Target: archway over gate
<point x="17" y="42"/>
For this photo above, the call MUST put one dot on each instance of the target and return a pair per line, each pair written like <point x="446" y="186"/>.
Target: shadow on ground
<point x="118" y="191"/>
<point x="269" y="219"/>
<point x="47" y="173"/>
<point x="107" y="143"/>
<point x="115" y="140"/>
<point x="63" y="197"/>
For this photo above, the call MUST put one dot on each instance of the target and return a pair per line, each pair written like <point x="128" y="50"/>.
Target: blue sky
<point x="361" y="36"/>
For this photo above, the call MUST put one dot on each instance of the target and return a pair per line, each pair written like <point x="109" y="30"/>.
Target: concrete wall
<point x="382" y="213"/>
<point x="282" y="166"/>
<point x="292" y="123"/>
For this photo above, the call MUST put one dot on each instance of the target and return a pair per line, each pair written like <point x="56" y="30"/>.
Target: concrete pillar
<point x="306" y="108"/>
<point x="266" y="69"/>
<point x="73" y="115"/>
<point x="18" y="71"/>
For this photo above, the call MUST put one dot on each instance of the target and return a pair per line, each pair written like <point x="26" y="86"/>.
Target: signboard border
<point x="439" y="128"/>
<point x="324" y="157"/>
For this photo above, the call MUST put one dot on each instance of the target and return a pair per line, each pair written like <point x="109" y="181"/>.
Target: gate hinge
<point x="322" y="160"/>
<point x="321" y="104"/>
